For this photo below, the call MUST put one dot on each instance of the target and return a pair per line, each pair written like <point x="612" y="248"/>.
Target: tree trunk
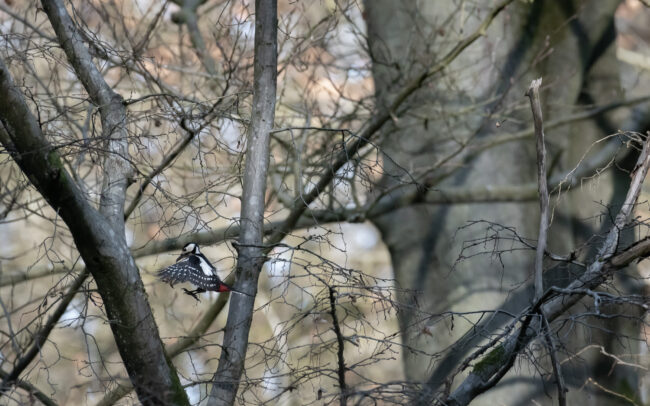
<point x="531" y="40"/>
<point x="251" y="252"/>
<point x="98" y="233"/>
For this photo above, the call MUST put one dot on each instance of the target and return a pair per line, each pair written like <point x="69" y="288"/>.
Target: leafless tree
<point x="263" y="132"/>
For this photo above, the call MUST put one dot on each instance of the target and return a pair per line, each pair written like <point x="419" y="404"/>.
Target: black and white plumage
<point x="193" y="267"/>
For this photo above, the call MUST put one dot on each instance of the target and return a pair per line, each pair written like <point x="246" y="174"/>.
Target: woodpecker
<point x="193" y="267"/>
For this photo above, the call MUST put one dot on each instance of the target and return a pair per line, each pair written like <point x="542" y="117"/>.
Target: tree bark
<point x="425" y="241"/>
<point x="251" y="252"/>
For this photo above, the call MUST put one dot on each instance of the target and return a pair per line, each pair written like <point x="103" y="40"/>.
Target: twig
<point x="535" y="105"/>
<point x="32" y="390"/>
<point x="12" y="334"/>
<point x="557" y="369"/>
<point x="164" y="164"/>
<point x="611" y="392"/>
<point x="41" y="336"/>
<point x="341" y="348"/>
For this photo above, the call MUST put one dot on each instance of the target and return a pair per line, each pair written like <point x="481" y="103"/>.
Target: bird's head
<point x="189" y="248"/>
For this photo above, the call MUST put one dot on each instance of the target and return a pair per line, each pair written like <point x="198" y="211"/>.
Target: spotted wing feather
<point x="189" y="270"/>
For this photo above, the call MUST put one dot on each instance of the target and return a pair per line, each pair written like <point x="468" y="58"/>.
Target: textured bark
<point x="536" y="107"/>
<point x="424" y="241"/>
<point x="251" y="253"/>
<point x="98" y="233"/>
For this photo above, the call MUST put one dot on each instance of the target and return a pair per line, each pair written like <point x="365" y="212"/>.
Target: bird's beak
<point x="179" y="257"/>
<point x="225" y="288"/>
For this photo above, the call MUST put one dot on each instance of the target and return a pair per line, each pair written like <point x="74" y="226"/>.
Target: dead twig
<point x="341" y="348"/>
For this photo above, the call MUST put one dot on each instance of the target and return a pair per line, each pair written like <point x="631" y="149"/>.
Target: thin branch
<point x="12" y="334"/>
<point x="495" y="140"/>
<point x="164" y="164"/>
<point x="340" y="348"/>
<point x="557" y="368"/>
<point x="26" y="23"/>
<point x="40" y="337"/>
<point x="32" y="390"/>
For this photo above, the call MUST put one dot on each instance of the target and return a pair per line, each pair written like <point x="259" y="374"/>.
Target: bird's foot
<point x="193" y="293"/>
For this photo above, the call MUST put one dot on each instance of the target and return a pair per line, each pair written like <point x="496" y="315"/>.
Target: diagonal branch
<point x="99" y="237"/>
<point x="117" y="169"/>
<point x="32" y="390"/>
<point x="553" y="304"/>
<point x="43" y="333"/>
<point x="164" y="164"/>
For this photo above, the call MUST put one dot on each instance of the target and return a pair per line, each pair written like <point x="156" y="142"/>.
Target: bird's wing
<point x="176" y="273"/>
<point x="189" y="270"/>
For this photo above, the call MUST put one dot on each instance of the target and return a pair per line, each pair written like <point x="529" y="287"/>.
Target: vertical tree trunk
<point x="425" y="242"/>
<point x="252" y="254"/>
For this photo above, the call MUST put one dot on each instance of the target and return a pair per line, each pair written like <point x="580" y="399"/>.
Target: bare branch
<point x="340" y="350"/>
<point x="536" y="107"/>
<point x="40" y="337"/>
<point x="481" y="379"/>
<point x="32" y="390"/>
<point x="164" y="164"/>
<point x="117" y="169"/>
<point x="557" y="368"/>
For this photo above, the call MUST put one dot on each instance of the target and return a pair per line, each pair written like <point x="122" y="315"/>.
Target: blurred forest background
<point x="399" y="266"/>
